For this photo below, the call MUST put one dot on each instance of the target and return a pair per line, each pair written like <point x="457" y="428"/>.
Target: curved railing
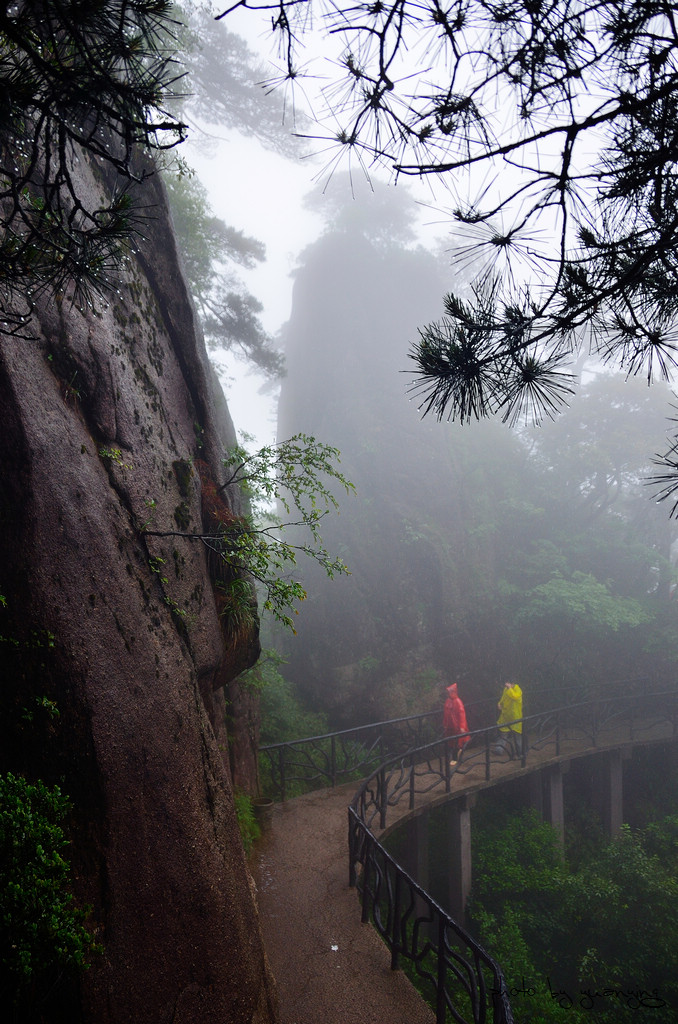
<point x="468" y="983"/>
<point x="299" y="766"/>
<point x="419" y="772"/>
<point x="410" y="765"/>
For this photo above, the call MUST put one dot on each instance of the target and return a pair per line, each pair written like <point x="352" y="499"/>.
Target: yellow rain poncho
<point x="510" y="708"/>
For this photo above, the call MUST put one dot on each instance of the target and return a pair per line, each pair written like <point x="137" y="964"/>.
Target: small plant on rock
<point x="258" y="548"/>
<point x="297" y="475"/>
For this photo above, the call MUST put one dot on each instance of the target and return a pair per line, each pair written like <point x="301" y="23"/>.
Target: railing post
<point x="441" y="976"/>
<point x="487" y="755"/>
<point x="383" y="800"/>
<point x="281" y="771"/>
<point x="352" y="844"/>
<point x="333" y="760"/>
<point x="395" y="927"/>
<point x="412" y="781"/>
<point x="557" y="733"/>
<point x="365" y="911"/>
<point x="500" y="1003"/>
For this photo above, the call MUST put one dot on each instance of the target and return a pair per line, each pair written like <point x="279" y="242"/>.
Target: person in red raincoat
<point x="454" y="720"/>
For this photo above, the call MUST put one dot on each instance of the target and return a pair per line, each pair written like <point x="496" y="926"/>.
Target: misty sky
<point x="262" y="194"/>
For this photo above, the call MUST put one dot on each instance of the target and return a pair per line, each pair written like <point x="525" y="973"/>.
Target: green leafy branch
<point x="296" y="472"/>
<point x="42" y="932"/>
<point x="259" y="547"/>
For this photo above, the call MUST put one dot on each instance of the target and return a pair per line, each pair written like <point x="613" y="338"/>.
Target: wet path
<point x="330" y="968"/>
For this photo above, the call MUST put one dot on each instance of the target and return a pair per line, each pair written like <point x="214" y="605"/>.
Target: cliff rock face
<point x="103" y="420"/>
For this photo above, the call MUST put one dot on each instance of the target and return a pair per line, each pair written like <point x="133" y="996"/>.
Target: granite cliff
<point x="113" y="615"/>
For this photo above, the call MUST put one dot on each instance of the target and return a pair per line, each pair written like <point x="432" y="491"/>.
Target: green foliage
<point x="247" y="823"/>
<point x="579" y="602"/>
<point x="518" y="863"/>
<point x="623" y="909"/>
<point x="42" y="704"/>
<point x="258" y="547"/>
<point x="661" y="840"/>
<point x="298" y="473"/>
<point x="42" y="933"/>
<point x="115" y="455"/>
<point x="529" y="992"/>
<point x="597" y="934"/>
<point x="294" y="472"/>
<point x="283" y="715"/>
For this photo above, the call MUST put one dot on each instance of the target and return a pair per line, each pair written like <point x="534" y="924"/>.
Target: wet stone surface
<point x="329" y="968"/>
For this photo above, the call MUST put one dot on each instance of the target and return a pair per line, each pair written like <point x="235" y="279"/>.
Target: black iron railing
<point x="467" y="983"/>
<point x="289" y="769"/>
<point x="300" y="766"/>
<point x="409" y="764"/>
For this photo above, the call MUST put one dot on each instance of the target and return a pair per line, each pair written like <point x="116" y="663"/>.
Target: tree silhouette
<point x="211" y="250"/>
<point x="565" y="115"/>
<point x="77" y="79"/>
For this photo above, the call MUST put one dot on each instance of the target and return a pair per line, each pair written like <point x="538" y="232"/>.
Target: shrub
<point x="244" y="812"/>
<point x="42" y="933"/>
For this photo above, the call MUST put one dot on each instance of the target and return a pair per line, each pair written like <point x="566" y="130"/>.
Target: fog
<point x="478" y="553"/>
<point x="475" y="551"/>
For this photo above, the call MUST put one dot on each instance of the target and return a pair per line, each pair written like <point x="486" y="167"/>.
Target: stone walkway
<point x="330" y="968"/>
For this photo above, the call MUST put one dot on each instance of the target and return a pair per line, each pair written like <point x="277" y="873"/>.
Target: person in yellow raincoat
<point x="511" y="708"/>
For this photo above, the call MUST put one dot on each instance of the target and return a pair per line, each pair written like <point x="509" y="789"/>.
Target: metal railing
<point x="418" y="772"/>
<point x="467" y="983"/>
<point x="331" y="759"/>
<point x="408" y="768"/>
<point x="300" y="766"/>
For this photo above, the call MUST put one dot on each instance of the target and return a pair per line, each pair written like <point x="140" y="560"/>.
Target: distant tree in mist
<point x="225" y="85"/>
<point x="222" y="91"/>
<point x="212" y="250"/>
<point x="475" y="551"/>
<point x="382" y="214"/>
<point x="357" y="291"/>
<point x="604" y="444"/>
<point x="564" y="114"/>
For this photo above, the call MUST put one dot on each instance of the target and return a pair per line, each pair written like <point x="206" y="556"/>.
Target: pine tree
<point x="77" y="80"/>
<point x="564" y="113"/>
